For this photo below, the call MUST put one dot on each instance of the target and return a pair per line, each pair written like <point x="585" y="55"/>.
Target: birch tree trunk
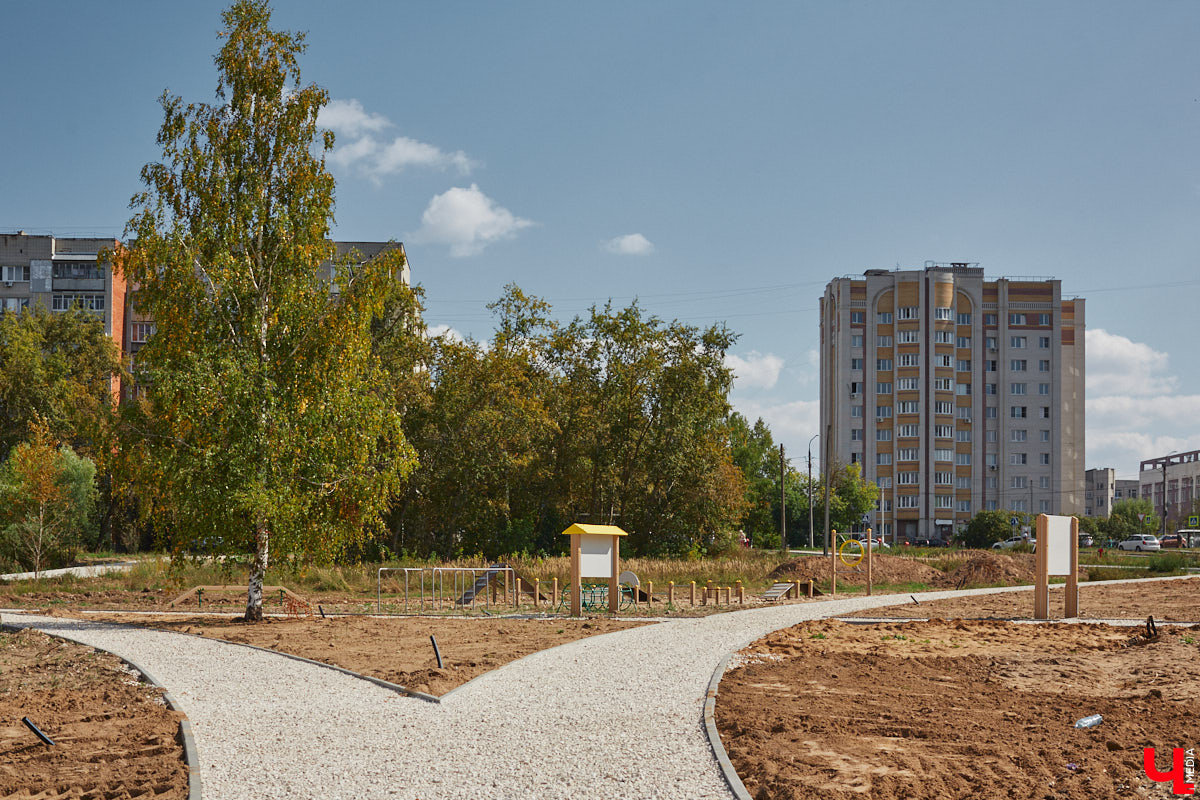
<point x="258" y="569"/>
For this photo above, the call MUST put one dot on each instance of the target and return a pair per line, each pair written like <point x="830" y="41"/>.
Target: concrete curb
<point x="190" y="755"/>
<point x="714" y="736"/>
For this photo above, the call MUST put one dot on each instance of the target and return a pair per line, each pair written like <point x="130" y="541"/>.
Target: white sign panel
<point x="595" y="555"/>
<point x="1058" y="545"/>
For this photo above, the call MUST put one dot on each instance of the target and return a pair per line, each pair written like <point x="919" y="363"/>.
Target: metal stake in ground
<point x="436" y="652"/>
<point x="29" y="724"/>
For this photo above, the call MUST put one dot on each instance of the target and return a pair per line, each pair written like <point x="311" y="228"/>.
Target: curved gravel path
<point x="614" y="716"/>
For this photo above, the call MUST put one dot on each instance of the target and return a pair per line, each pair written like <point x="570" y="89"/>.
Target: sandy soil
<point x="967" y="708"/>
<point x="397" y="649"/>
<point x="1170" y="601"/>
<point x="114" y="737"/>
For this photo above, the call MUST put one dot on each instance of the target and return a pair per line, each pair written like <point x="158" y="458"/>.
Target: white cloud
<point x="631" y="244"/>
<point x="467" y="221"/>
<point x="755" y="370"/>
<point x="796" y="421"/>
<point x="373" y="155"/>
<point x="1117" y="365"/>
<point x="434" y="331"/>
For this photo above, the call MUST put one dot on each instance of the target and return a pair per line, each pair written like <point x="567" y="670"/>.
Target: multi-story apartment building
<point x="1172" y="482"/>
<point x="60" y="272"/>
<point x="1102" y="488"/>
<point x="1127" y="489"/>
<point x="955" y="393"/>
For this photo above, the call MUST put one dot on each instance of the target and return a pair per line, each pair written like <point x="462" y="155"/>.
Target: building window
<point x="943" y="337"/>
<point x="1017" y="364"/>
<point x="1044" y="482"/>
<point x="1045" y="436"/>
<point x="1017" y="412"/>
<point x="992" y="505"/>
<point x="906" y="312"/>
<point x="943" y="360"/>
<point x="1044" y="459"/>
<point x="1018" y="505"/>
<point x="943" y="313"/>
<point x="962" y="482"/>
<point x="1044" y="365"/>
<point x="89" y="302"/>
<point x="77" y="270"/>
<point x="908" y="337"/>
<point x="908" y="454"/>
<point x="943" y="501"/>
<point x="910" y="431"/>
<point x="991" y="412"/>
<point x="964" y="318"/>
<point x="884" y="482"/>
<point x="883" y="412"/>
<point x="993" y="436"/>
<point x="856" y="340"/>
<point x="1044" y="342"/>
<point x="963" y="389"/>
<point x="858" y="317"/>
<point x="989" y="319"/>
<point x="883" y="434"/>
<point x="1017" y="342"/>
<point x="14" y="274"/>
<point x="1017" y="459"/>
<point x="1044" y="506"/>
<point x="856" y="411"/>
<point x="963" y="342"/>
<point x="856" y="434"/>
<point x="943" y="407"/>
<point x="963" y="365"/>
<point x="910" y="360"/>
<point x="1018" y="435"/>
<point x="856" y="363"/>
<point x="989" y="365"/>
<point x="883" y="459"/>
<point x="989" y="388"/>
<point x="883" y="341"/>
<point x="943" y="454"/>
<point x="993" y="483"/>
<point x="883" y="364"/>
<point x="962" y="506"/>
<point x="884" y="317"/>
<point x="990" y="342"/>
<point x="962" y="435"/>
<point x="1045" y="412"/>
<point x="908" y="384"/>
<point x="140" y="332"/>
<point x="856" y="458"/>
<point x="883" y="387"/>
<point x="1016" y="319"/>
<point x="1043" y="388"/>
<point x="907" y="501"/>
<point x="855" y="388"/>
<point x="943" y="384"/>
<point x="964" y="413"/>
<point x="943" y="431"/>
<point x="909" y="407"/>
<point x="907" y="478"/>
<point x="1016" y="388"/>
<point x="1043" y="319"/>
<point x="1017" y="482"/>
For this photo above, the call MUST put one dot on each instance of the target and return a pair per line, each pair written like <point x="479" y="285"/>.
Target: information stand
<point x="1057" y="554"/>
<point x="595" y="553"/>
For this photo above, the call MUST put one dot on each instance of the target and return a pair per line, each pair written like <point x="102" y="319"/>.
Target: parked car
<point x="877" y="540"/>
<point x="929" y="543"/>
<point x="1174" y="540"/>
<point x="1086" y="540"/>
<point x="1139" y="542"/>
<point x="1013" y="541"/>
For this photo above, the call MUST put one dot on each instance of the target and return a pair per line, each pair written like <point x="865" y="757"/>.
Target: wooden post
<point x="614" y="588"/>
<point x="833" y="555"/>
<point x="1041" y="583"/>
<point x="795" y="591"/>
<point x="517" y="596"/>
<point x="810" y="587"/>
<point x="554" y="591"/>
<point x="693" y="593"/>
<point x="870" y="549"/>
<point x="726" y="595"/>
<point x="537" y="592"/>
<point x="1072" y="588"/>
<point x="670" y="594"/>
<point x="741" y="594"/>
<point x="576" y="598"/>
<point x="649" y="594"/>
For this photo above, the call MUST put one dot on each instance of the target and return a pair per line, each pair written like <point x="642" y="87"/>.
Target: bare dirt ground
<point x="113" y="736"/>
<point x="968" y="708"/>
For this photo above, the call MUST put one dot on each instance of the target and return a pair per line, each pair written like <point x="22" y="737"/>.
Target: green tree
<point x="47" y="499"/>
<point x="753" y="451"/>
<point x="58" y="368"/>
<point x="269" y="417"/>
<point x="988" y="527"/>
<point x="1123" y="521"/>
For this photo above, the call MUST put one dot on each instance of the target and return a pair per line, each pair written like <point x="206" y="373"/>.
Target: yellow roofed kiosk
<point x="595" y="553"/>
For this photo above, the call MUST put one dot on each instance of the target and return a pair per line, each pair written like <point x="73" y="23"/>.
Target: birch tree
<point x="267" y="418"/>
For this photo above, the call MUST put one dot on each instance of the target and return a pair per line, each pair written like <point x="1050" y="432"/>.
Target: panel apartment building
<point x="955" y="394"/>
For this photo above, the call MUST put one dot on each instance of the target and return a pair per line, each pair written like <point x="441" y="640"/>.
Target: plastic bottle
<point x="1089" y="722"/>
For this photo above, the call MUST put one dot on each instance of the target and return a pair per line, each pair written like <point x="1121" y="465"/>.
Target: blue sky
<point x="719" y="161"/>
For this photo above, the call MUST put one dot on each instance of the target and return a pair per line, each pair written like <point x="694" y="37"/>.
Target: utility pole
<point x="782" y="503"/>
<point x="825" y="469"/>
<point x="810" y="508"/>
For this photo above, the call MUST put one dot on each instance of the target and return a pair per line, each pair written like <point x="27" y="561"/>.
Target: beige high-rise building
<point x="955" y="394"/>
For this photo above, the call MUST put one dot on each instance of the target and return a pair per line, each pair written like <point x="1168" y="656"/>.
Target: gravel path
<point x="612" y="716"/>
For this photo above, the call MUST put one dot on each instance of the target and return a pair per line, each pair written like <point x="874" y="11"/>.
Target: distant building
<point x="1098" y="492"/>
<point x="1126" y="490"/>
<point x="1171" y="483"/>
<point x="955" y="393"/>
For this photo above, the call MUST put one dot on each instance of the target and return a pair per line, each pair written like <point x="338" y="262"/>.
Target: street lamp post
<point x="810" y="508"/>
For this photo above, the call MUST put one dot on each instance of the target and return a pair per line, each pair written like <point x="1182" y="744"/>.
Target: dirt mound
<point x="992" y="569"/>
<point x="885" y="569"/>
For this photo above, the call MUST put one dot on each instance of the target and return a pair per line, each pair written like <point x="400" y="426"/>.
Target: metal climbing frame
<point x="451" y="588"/>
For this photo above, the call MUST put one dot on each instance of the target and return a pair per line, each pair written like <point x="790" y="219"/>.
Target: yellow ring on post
<point x="862" y="551"/>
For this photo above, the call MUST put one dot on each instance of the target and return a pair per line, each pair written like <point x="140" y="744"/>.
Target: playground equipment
<point x="852" y="559"/>
<point x="461" y="588"/>
<point x="293" y="604"/>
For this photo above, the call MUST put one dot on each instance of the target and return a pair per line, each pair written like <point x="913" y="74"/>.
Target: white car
<point x="1013" y="542"/>
<point x="1140" y="542"/>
